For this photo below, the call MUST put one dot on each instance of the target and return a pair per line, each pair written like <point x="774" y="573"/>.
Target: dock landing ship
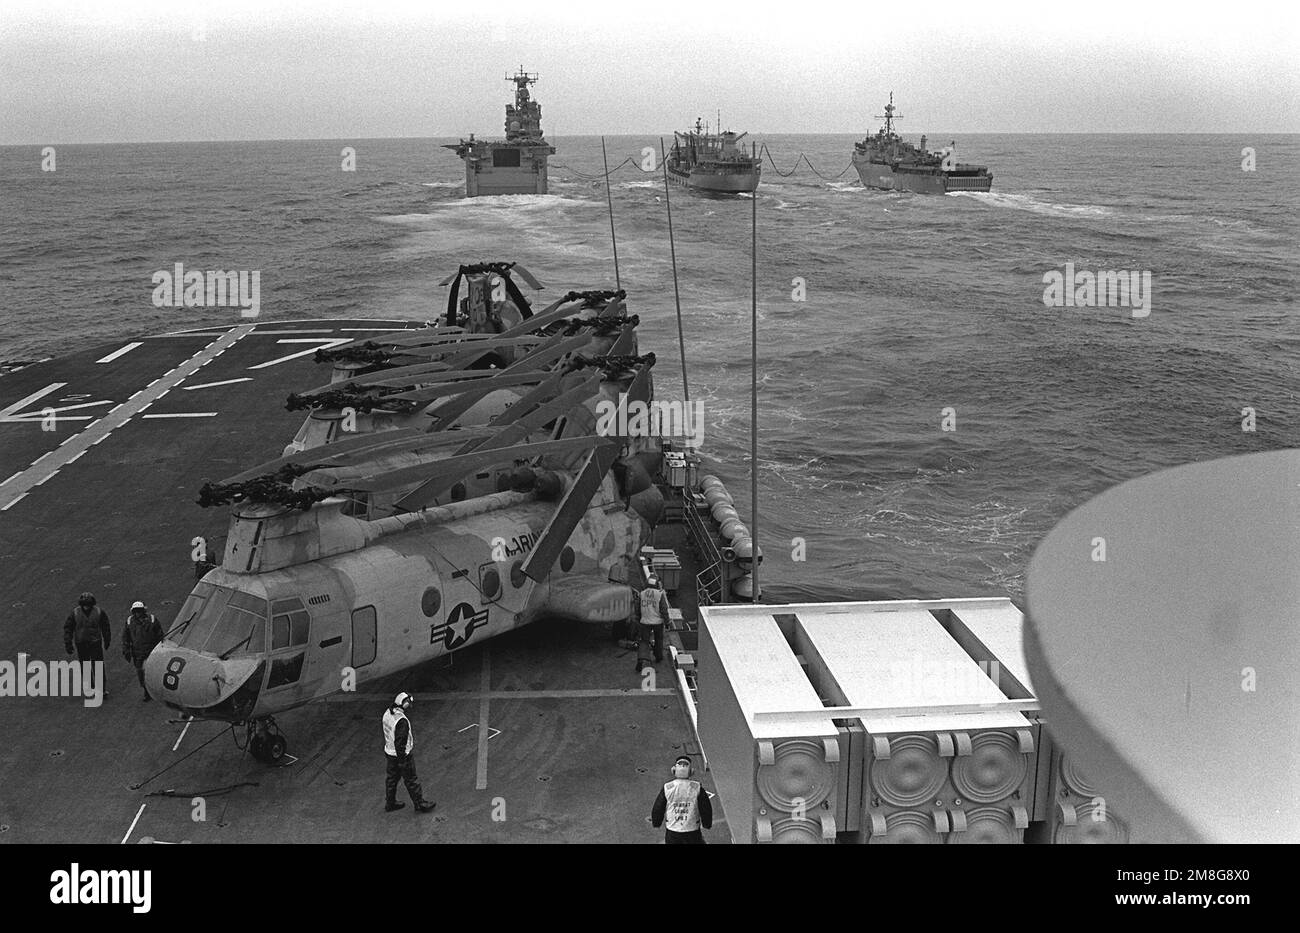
<point x="448" y="486"/>
<point x="712" y="162"/>
<point x="516" y="165"/>
<point x="887" y="161"/>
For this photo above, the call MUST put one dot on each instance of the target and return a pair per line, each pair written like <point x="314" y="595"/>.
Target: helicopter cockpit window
<point x="289" y="624"/>
<point x="238" y="632"/>
<point x="189" y="611"/>
<point x="221" y="621"/>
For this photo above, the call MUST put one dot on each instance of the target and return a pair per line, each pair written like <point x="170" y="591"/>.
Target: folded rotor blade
<point x="572" y="508"/>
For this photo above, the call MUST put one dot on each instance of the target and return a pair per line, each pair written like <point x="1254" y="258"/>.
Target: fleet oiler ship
<point x="516" y="165"/>
<point x="712" y="162"/>
<point x="888" y="161"/>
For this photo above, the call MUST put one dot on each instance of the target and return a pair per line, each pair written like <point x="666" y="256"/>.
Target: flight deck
<point x="544" y="734"/>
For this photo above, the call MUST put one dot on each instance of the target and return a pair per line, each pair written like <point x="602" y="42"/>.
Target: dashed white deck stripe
<point x="122" y="352"/>
<point x="183" y="414"/>
<point x="49" y="464"/>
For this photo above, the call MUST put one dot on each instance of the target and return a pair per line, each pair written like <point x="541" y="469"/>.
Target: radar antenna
<point x="889" y="116"/>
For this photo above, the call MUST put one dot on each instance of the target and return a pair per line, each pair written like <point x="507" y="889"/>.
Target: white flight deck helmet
<point x="403" y="700"/>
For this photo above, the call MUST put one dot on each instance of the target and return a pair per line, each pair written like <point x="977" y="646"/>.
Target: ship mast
<point x="521" y="81"/>
<point x="889" y="116"/>
<point x="526" y="112"/>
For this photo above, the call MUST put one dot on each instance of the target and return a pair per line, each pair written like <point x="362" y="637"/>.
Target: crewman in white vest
<point x="653" y="614"/>
<point x="682" y="807"/>
<point x="399" y="742"/>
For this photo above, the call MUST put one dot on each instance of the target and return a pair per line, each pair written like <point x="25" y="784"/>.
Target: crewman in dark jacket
<point x="398" y="745"/>
<point x="87" y="628"/>
<point x="140" y="635"/>
<point x="682" y="807"/>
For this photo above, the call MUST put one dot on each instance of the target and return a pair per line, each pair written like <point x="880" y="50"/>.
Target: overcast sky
<point x="134" y="71"/>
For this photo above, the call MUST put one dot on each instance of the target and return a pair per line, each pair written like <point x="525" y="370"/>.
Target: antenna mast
<point x="753" y="383"/>
<point x="889" y="116"/>
<point x="672" y="247"/>
<point x="609" y="198"/>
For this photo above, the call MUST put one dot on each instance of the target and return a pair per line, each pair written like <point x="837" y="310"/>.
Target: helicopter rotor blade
<point x="514" y="430"/>
<point x="574" y="505"/>
<point x="438" y="477"/>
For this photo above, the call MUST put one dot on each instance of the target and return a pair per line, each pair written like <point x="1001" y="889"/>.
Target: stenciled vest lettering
<point x="650" y="598"/>
<point x="683" y="813"/>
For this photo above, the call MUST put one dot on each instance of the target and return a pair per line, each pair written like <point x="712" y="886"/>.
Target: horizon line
<point x="333" y="139"/>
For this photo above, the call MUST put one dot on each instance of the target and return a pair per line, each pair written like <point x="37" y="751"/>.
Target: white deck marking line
<point x="180" y="737"/>
<point x="15" y="419"/>
<point x="52" y="387"/>
<point x="305" y="330"/>
<point x="485" y="687"/>
<point x="189" y="333"/>
<point x="51" y="462"/>
<point x="213" y="385"/>
<point x="183" y="414"/>
<point x="630" y="692"/>
<point x="11" y="503"/>
<point x="368" y="330"/>
<point x="122" y="352"/>
<point x="214" y="330"/>
<point x="44" y="412"/>
<point x="133" y="822"/>
<point x="324" y="344"/>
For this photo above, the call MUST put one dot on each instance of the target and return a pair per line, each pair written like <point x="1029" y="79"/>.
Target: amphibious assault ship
<point x="516" y="165"/>
<point x="888" y="161"/>
<point x="712" y="162"/>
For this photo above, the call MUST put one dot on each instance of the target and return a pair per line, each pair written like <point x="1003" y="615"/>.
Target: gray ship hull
<point x="883" y="176"/>
<point x="525" y="174"/>
<point x="713" y="182"/>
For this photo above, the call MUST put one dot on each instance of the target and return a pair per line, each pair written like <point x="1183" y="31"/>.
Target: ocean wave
<point x="443" y="184"/>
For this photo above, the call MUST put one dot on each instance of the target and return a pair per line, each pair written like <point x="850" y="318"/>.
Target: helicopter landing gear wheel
<point x="275" y="748"/>
<point x="265" y="742"/>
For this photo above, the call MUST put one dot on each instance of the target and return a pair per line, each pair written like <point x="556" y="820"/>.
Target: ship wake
<point x="1024" y="202"/>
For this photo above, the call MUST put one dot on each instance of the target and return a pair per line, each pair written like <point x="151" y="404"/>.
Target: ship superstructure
<point x="517" y="164"/>
<point x="888" y="161"/>
<point x="713" y="162"/>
